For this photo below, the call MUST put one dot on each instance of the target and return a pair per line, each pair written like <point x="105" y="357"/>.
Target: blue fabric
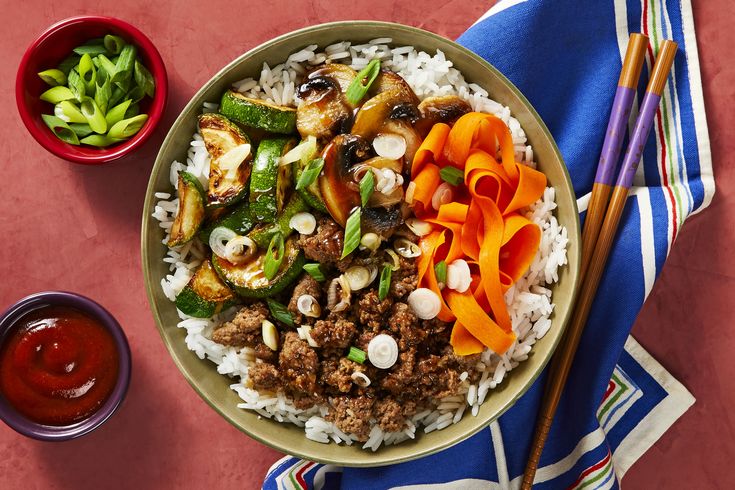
<point x="565" y="56"/>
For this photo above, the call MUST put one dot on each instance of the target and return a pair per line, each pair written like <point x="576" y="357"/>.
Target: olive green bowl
<point x="203" y="376"/>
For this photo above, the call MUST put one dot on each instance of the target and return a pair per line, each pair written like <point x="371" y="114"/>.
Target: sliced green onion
<point x="53" y="77"/>
<point x="60" y="129"/>
<point x="95" y="117"/>
<point x="367" y="187"/>
<point x="279" y="312"/>
<point x="113" y="44"/>
<point x="54" y="95"/>
<point x="88" y="73"/>
<point x="103" y="94"/>
<point x="315" y="271"/>
<point x="132" y="111"/>
<point x="451" y="175"/>
<point x="81" y="130"/>
<point x="135" y="94"/>
<point x="71" y="111"/>
<point x="99" y="140"/>
<point x="440" y="270"/>
<point x="76" y="85"/>
<point x="124" y="66"/>
<point x="310" y="173"/>
<point x="361" y="84"/>
<point x="68" y="63"/>
<point x="352" y="233"/>
<point x="384" y="285"/>
<point x="274" y="256"/>
<point x="127" y="127"/>
<point x="117" y="113"/>
<point x="118" y="96"/>
<point x="144" y="79"/>
<point x="357" y="355"/>
<point x="107" y="65"/>
<point x="90" y="49"/>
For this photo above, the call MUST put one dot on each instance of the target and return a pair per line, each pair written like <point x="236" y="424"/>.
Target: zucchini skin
<point x="205" y="294"/>
<point x="290" y="270"/>
<point x="264" y="179"/>
<point x="263" y="233"/>
<point x="238" y="219"/>
<point x="258" y="114"/>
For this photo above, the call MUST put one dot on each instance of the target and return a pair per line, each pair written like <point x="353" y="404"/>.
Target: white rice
<point x="529" y="300"/>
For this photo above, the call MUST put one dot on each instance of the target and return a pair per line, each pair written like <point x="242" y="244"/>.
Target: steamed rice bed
<point x="529" y="300"/>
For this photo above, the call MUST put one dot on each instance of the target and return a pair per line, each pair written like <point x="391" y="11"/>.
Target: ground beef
<point x="325" y="246"/>
<point x="401" y="374"/>
<point x="403" y="322"/>
<point x="306" y="285"/>
<point x="264" y="376"/>
<point x="265" y="353"/>
<point x="335" y="331"/>
<point x="352" y="415"/>
<point x="244" y="329"/>
<point x="403" y="281"/>
<point x="436" y="378"/>
<point x="299" y="365"/>
<point x="369" y="309"/>
<point x="389" y="414"/>
<point x="340" y="376"/>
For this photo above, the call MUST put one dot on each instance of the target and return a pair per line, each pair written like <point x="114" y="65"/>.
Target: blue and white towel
<point x="565" y="56"/>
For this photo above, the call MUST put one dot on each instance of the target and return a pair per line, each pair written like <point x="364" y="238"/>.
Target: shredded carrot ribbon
<point x="481" y="225"/>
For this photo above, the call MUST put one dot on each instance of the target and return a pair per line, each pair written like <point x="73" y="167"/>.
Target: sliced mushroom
<point x="442" y="109"/>
<point x="381" y="221"/>
<point x="343" y="75"/>
<point x="324" y="112"/>
<point x="389" y="81"/>
<point x="336" y="184"/>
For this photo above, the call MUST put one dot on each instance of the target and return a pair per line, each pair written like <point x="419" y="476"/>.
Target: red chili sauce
<point x="57" y="366"/>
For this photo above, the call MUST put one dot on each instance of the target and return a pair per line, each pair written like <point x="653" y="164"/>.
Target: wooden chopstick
<point x="564" y="355"/>
<point x="616" y="129"/>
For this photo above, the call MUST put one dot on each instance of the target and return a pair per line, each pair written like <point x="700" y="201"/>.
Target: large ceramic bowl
<point x="203" y="376"/>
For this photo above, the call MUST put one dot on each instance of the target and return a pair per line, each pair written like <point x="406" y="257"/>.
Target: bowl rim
<point x="149" y="199"/>
<point x="35" y="430"/>
<point x="114" y="152"/>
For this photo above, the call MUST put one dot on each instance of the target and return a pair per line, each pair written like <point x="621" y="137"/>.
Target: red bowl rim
<point x="157" y="109"/>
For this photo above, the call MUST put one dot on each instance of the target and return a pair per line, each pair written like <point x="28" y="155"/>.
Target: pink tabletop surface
<point x="77" y="228"/>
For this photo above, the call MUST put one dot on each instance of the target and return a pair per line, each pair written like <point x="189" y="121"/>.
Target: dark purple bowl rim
<point x="35" y="430"/>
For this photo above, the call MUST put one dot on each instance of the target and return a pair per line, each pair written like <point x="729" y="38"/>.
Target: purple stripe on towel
<point x="614" y="136"/>
<point x="638" y="141"/>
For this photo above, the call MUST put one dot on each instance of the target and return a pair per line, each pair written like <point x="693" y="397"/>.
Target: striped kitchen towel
<point x="565" y="56"/>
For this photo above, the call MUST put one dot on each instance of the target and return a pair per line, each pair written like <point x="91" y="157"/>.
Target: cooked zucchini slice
<point x="271" y="182"/>
<point x="205" y="294"/>
<point x="263" y="233"/>
<point x="248" y="279"/>
<point x="190" y="215"/>
<point x="311" y="194"/>
<point x="226" y="185"/>
<point x="237" y="219"/>
<point x="258" y="113"/>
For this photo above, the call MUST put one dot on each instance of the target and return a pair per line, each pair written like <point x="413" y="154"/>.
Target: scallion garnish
<point x="451" y="175"/>
<point x="88" y="73"/>
<point x="113" y="44"/>
<point x="384" y="285"/>
<point x="357" y="355"/>
<point x="440" y="270"/>
<point x="273" y="256"/>
<point x="310" y="173"/>
<point x="361" y="84"/>
<point x="60" y="129"/>
<point x="315" y="271"/>
<point x="367" y="187"/>
<point x="53" y="77"/>
<point x="352" y="233"/>
<point x="127" y="127"/>
<point x="279" y="312"/>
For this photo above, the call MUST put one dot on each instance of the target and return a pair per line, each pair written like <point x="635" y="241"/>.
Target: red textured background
<point x="77" y="228"/>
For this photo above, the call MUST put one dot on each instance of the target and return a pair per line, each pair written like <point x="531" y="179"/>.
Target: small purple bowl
<point x="43" y="432"/>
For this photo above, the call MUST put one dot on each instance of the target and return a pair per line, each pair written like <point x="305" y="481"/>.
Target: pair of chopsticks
<point x="603" y="215"/>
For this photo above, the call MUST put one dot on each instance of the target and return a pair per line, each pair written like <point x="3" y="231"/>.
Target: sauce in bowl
<point x="58" y="365"/>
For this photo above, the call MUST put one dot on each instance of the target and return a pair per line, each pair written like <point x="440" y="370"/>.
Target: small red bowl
<point x="56" y="44"/>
